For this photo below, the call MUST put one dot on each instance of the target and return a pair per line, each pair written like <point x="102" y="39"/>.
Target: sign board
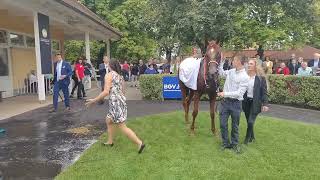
<point x="45" y="44"/>
<point x="171" y="88"/>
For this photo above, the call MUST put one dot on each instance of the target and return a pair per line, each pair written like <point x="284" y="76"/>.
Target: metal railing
<point x="28" y="87"/>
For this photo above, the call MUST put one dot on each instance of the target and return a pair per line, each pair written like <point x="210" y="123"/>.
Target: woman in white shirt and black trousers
<point x="255" y="99"/>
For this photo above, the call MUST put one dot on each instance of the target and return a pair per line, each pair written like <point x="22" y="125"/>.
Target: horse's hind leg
<point x="185" y="101"/>
<point x="195" y="110"/>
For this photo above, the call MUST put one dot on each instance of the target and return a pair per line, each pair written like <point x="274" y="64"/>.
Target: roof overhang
<point x="71" y="16"/>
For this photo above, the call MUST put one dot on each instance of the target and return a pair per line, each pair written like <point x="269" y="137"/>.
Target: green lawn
<point x="283" y="150"/>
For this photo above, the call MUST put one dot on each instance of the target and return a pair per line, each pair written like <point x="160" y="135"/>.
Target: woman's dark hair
<point x="78" y="60"/>
<point x="115" y="66"/>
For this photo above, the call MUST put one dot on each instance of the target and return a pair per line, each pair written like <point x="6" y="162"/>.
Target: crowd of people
<point x="131" y="71"/>
<point x="295" y="66"/>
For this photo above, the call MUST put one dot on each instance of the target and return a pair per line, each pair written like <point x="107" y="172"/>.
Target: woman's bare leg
<point x="130" y="134"/>
<point x="110" y="130"/>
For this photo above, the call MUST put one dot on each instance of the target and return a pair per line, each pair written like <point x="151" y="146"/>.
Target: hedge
<point x="290" y="90"/>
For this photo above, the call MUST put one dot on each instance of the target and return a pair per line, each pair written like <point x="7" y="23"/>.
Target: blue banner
<point x="171" y="88"/>
<point x="45" y="44"/>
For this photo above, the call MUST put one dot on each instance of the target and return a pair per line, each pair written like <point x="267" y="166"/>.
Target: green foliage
<point x="152" y="27"/>
<point x="274" y="24"/>
<point x="291" y="90"/>
<point x="151" y="86"/>
<point x="75" y="49"/>
<point x="285" y="150"/>
<point x="135" y="43"/>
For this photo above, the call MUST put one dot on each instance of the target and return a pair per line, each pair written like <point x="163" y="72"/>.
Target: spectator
<point x="130" y="71"/>
<point x="268" y="65"/>
<point x="125" y="70"/>
<point x="103" y="70"/>
<point x="33" y="80"/>
<point x="304" y="70"/>
<point x="151" y="70"/>
<point x="275" y="66"/>
<point x="293" y="67"/>
<point x="134" y="74"/>
<point x="155" y="66"/>
<point x="87" y="74"/>
<point x="260" y="52"/>
<point x="142" y="67"/>
<point x="293" y="57"/>
<point x="315" y="64"/>
<point x="74" y="77"/>
<point x="166" y="67"/>
<point x="227" y="64"/>
<point x="259" y="60"/>
<point x="283" y="69"/>
<point x="79" y="73"/>
<point x="300" y="61"/>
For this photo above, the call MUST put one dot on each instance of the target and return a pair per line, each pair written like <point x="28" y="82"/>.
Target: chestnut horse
<point x="207" y="83"/>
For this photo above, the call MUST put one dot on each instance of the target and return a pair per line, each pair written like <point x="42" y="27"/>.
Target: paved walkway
<point x="39" y="145"/>
<point x="20" y="104"/>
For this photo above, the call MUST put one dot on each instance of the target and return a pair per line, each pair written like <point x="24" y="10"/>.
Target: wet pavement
<point x="38" y="145"/>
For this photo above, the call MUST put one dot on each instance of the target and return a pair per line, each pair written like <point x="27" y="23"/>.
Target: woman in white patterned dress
<point x="117" y="105"/>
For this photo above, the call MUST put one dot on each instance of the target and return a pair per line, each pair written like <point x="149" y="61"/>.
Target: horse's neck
<point x="202" y="67"/>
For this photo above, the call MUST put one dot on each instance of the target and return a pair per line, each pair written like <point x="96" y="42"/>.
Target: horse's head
<point x="212" y="62"/>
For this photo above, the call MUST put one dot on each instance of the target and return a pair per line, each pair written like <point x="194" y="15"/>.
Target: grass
<point x="283" y="150"/>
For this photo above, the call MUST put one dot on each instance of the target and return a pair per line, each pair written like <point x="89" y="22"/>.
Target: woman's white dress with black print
<point x="117" y="100"/>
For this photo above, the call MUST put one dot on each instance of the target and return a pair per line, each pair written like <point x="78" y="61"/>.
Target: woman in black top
<point x="255" y="99"/>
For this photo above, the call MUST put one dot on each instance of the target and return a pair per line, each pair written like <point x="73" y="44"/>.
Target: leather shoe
<point x="109" y="145"/>
<point x="141" y="148"/>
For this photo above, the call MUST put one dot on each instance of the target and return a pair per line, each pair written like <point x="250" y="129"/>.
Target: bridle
<point x="205" y="71"/>
<point x="213" y="62"/>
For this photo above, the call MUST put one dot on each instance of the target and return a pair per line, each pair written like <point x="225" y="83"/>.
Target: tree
<point x="315" y="27"/>
<point x="276" y="24"/>
<point x="200" y="21"/>
<point x="245" y="23"/>
<point x="129" y="19"/>
<point x="161" y="25"/>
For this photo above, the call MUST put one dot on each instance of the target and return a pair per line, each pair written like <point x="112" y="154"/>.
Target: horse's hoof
<point x="192" y="133"/>
<point x="215" y="132"/>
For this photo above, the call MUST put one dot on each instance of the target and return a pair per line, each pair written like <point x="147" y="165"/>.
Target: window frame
<point x="8" y="41"/>
<point x="16" y="45"/>
<point x="28" y="36"/>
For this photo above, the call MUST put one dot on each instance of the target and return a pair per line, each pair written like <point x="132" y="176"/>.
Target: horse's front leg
<point x="212" y="98"/>
<point x="195" y="110"/>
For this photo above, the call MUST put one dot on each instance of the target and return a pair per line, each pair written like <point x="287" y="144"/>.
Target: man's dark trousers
<point x="60" y="85"/>
<point x="230" y="107"/>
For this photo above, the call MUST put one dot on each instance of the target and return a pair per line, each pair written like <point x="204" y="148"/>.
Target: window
<point x="30" y="41"/>
<point x="55" y="45"/>
<point x="3" y="37"/>
<point x="4" y="69"/>
<point x="16" y="39"/>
